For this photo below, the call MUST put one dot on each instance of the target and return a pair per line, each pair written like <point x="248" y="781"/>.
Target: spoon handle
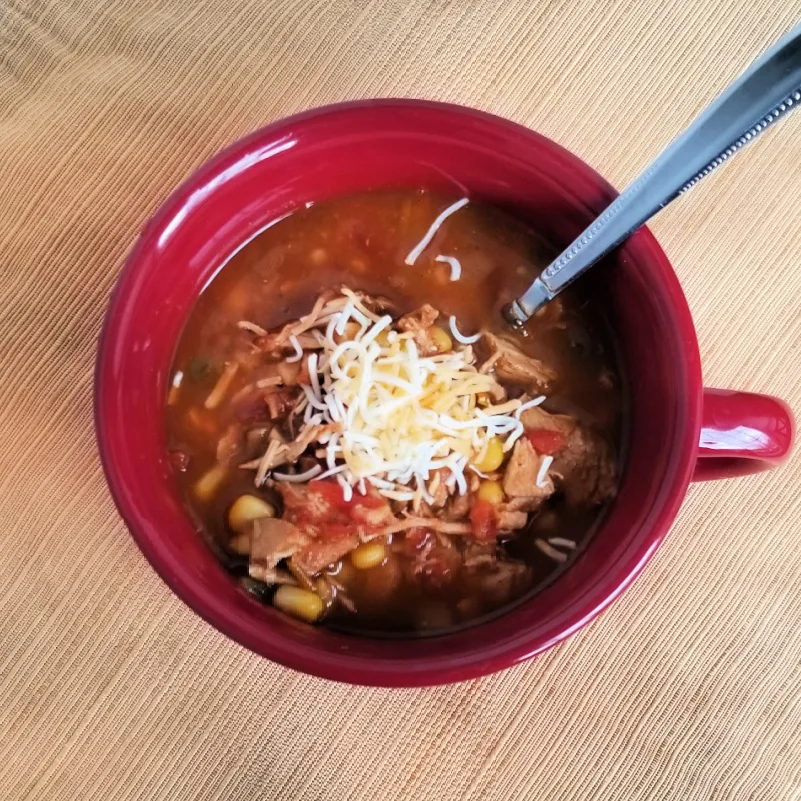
<point x="768" y="90"/>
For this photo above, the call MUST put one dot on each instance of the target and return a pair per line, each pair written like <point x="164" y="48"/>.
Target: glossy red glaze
<point x="742" y="433"/>
<point x="355" y="147"/>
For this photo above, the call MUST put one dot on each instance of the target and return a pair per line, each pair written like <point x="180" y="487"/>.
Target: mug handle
<point x="742" y="433"/>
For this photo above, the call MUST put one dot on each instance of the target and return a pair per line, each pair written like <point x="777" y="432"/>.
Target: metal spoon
<point x="768" y="90"/>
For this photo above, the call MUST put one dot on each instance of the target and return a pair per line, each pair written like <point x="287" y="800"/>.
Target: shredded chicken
<point x="280" y="344"/>
<point x="328" y="532"/>
<point x="271" y="540"/>
<point x="511" y="520"/>
<point x="270" y="575"/>
<point x="320" y="553"/>
<point x="457" y="509"/>
<point x="432" y="524"/>
<point x="585" y="463"/>
<point x="378" y="304"/>
<point x="588" y="468"/>
<point x="511" y="364"/>
<point x="281" y="452"/>
<point x="280" y="402"/>
<point x="504" y="580"/>
<point x="438" y="490"/>
<point x="537" y="419"/>
<point x="419" y="323"/>
<point x="520" y="478"/>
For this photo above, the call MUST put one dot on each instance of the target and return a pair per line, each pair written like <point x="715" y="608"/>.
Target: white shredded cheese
<point x="455" y="265"/>
<point x="562" y="542"/>
<point x="513" y="437"/>
<point x="528" y="405"/>
<point x="549" y="550"/>
<point x="458" y="336"/>
<point x="298" y="478"/>
<point x="543" y="471"/>
<point x="245" y="325"/>
<point x="298" y="350"/>
<point x="435" y="226"/>
<point x="347" y="490"/>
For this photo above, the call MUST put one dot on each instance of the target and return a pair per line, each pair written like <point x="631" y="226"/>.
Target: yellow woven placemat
<point x="110" y="688"/>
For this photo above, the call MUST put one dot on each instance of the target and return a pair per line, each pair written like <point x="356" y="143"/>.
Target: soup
<point x="363" y="440"/>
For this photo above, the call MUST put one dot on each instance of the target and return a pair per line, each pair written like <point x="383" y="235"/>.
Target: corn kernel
<point x="247" y="508"/>
<point x="351" y="329"/>
<point x="440" y="338"/>
<point x="490" y="491"/>
<point x="209" y="482"/>
<point x="493" y="456"/>
<point x="302" y="604"/>
<point x="368" y="555"/>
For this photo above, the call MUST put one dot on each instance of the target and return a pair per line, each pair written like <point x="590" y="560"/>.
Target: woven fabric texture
<point x="110" y="688"/>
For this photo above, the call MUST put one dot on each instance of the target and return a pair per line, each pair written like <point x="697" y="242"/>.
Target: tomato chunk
<point x="546" y="442"/>
<point x="331" y="494"/>
<point x="483" y="520"/>
<point x="321" y="506"/>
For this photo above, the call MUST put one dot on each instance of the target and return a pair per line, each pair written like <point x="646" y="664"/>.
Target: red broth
<point x="361" y="241"/>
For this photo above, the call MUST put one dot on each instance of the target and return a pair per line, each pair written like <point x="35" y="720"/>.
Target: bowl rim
<point x="394" y="675"/>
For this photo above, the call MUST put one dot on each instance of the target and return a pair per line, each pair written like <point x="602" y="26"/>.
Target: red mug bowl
<point x="677" y="429"/>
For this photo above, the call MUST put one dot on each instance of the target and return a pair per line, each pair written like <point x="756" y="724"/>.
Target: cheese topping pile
<point x="392" y="417"/>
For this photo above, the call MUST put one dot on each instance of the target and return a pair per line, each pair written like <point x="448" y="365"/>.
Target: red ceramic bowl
<point x="454" y="150"/>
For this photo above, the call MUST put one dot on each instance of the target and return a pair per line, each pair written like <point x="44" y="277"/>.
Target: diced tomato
<point x="368" y="501"/>
<point x="545" y="442"/>
<point x="321" y="507"/>
<point x="331" y="493"/>
<point x="483" y="520"/>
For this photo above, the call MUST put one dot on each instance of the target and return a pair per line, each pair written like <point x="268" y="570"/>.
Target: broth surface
<point x="361" y="241"/>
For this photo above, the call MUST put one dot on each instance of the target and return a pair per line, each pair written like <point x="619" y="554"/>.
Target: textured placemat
<point x="110" y="688"/>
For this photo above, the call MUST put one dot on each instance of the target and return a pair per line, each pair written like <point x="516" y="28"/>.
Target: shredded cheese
<point x="455" y="265"/>
<point x="293" y="339"/>
<point x="562" y="542"/>
<point x="435" y="226"/>
<point x="458" y="336"/>
<point x="386" y="416"/>
<point x="528" y="405"/>
<point x="543" y="471"/>
<point x="298" y="478"/>
<point x="252" y="328"/>
<point x="549" y="550"/>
